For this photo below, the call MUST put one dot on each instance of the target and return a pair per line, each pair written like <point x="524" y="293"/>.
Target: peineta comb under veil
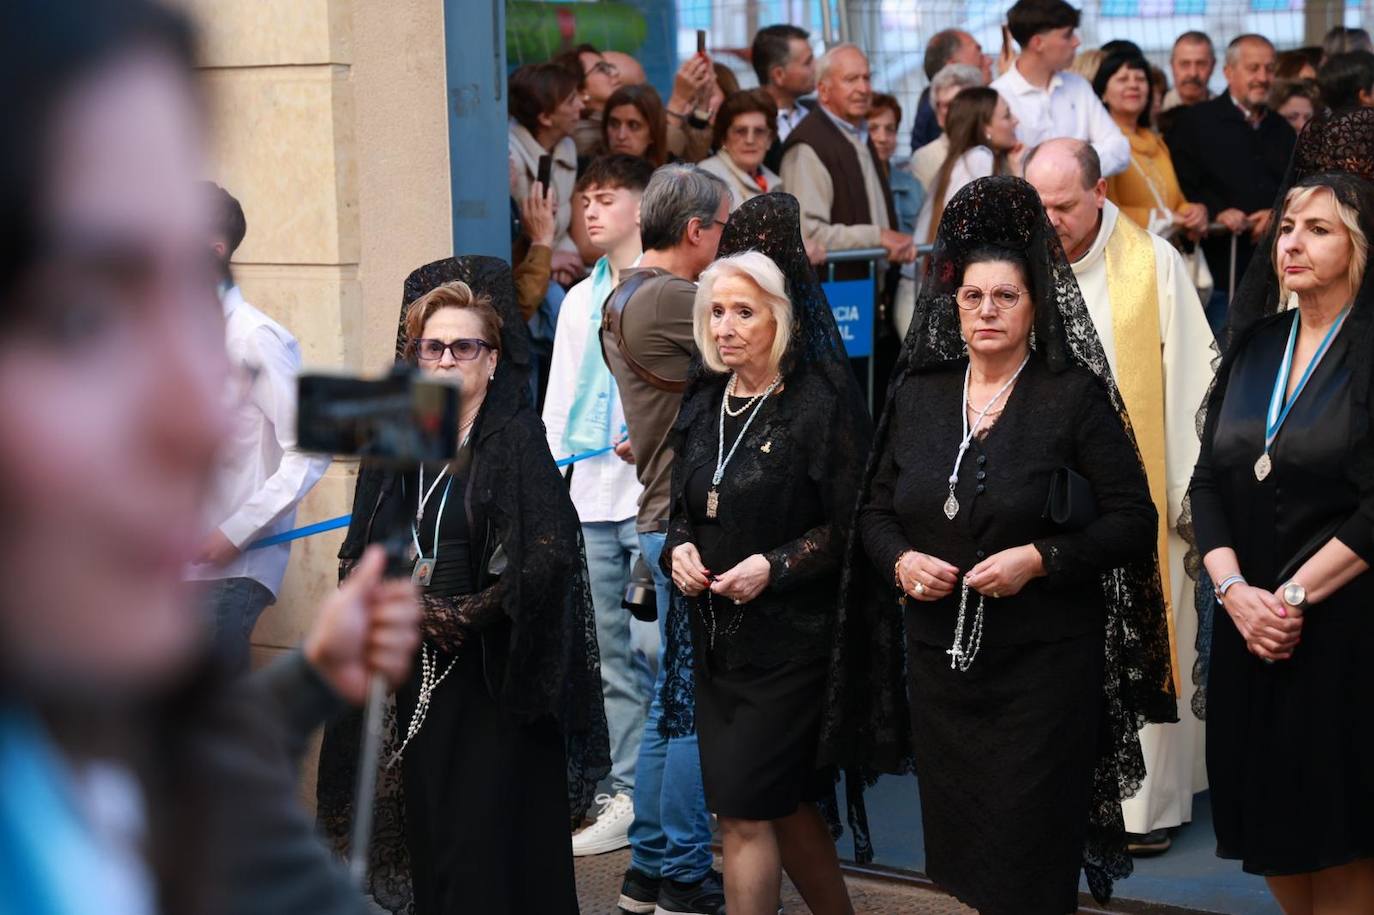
<point x="553" y="666"/>
<point x="869" y="658"/>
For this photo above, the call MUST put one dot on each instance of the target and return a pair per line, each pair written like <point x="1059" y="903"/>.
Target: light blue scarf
<point x="49" y="863"/>
<point x="594" y="393"/>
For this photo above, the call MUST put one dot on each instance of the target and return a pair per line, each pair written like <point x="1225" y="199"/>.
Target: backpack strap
<point x="611" y="314"/>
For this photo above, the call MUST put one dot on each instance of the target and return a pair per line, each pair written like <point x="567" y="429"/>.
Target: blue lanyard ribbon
<point x="1278" y="410"/>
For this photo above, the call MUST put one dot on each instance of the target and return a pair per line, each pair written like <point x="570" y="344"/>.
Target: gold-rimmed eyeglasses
<point x="1004" y="296"/>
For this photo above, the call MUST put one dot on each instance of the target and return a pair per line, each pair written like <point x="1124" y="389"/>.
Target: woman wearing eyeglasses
<point x="501" y="730"/>
<point x="744" y="130"/>
<point x="1035" y="647"/>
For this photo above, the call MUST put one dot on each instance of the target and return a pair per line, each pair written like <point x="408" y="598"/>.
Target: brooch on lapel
<point x="767" y="447"/>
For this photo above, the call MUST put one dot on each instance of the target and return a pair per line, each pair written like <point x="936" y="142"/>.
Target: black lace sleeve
<point x="447" y="621"/>
<point x="1209" y="519"/>
<point x="679" y="532"/>
<point x="1127" y="521"/>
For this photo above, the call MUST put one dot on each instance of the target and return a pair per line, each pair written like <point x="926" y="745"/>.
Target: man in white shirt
<point x="583" y="414"/>
<point x="262" y="477"/>
<point x="1048" y="100"/>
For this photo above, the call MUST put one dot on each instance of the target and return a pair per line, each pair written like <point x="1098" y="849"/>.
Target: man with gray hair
<point x="1192" y="61"/>
<point x="1231" y="154"/>
<point x="951" y="46"/>
<point x="646" y="338"/>
<point x="949" y="82"/>
<point x="1151" y="325"/>
<point x="831" y="166"/>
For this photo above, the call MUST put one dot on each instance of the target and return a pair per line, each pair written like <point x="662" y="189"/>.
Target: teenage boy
<point x="582" y="413"/>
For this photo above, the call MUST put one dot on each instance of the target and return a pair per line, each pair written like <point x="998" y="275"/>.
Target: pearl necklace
<point x="730" y="389"/>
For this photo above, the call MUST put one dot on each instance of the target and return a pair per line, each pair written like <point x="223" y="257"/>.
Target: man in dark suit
<point x="1230" y="154"/>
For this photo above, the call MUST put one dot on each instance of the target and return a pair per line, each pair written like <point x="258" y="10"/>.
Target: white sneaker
<point x="611" y="831"/>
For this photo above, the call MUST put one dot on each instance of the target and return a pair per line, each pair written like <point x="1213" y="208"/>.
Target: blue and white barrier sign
<point x="852" y="303"/>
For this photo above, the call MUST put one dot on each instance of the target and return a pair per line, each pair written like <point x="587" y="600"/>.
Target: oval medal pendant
<point x="1263" y="466"/>
<point x="951" y="507"/>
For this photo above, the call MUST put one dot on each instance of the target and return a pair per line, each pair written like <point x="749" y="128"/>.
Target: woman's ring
<point x="996" y="596"/>
<point x="919" y="588"/>
<point x="737" y="602"/>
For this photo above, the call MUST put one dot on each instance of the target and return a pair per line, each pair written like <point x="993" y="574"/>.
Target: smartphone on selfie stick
<point x="400" y="421"/>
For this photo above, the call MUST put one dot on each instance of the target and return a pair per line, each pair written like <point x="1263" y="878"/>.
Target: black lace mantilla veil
<point x="830" y="407"/>
<point x="870" y="728"/>
<point x="553" y="665"/>
<point x="1333" y="144"/>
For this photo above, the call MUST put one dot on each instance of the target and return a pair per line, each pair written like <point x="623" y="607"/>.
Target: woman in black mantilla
<point x="773" y="431"/>
<point x="501" y="731"/>
<point x="1035" y="650"/>
<point x="1283" y="507"/>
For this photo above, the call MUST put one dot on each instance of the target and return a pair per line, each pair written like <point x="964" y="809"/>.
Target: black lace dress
<point x="1290" y="754"/>
<point x="518" y="737"/>
<point x="1005" y="752"/>
<point x="867" y="726"/>
<point x="761" y="666"/>
<point x="485" y="798"/>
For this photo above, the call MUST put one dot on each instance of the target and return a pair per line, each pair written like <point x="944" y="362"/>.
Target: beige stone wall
<point x="330" y="127"/>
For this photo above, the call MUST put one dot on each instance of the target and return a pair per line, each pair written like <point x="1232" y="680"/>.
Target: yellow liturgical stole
<point x="1133" y="287"/>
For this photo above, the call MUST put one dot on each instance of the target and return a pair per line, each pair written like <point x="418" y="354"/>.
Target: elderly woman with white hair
<point x="771" y="441"/>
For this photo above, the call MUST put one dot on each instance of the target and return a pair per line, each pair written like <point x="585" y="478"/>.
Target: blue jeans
<point x="671" y="833"/>
<point x="612" y="548"/>
<point x="234" y="605"/>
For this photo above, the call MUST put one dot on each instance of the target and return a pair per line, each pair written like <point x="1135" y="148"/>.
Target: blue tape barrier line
<point x="334" y="524"/>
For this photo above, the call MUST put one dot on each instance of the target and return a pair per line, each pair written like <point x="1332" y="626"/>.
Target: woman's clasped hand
<point x="1270" y="630"/>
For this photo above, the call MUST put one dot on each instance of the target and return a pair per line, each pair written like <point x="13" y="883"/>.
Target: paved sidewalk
<point x="598" y="887"/>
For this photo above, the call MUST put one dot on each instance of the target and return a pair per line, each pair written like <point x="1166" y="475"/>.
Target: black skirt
<point x="1290" y="752"/>
<point x="1004" y="757"/>
<point x="758" y="730"/>
<point x="486" y="802"/>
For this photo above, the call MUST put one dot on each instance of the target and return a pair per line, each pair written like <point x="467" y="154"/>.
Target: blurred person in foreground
<point x="1047" y="99"/>
<point x="261" y="477"/>
<point x="949" y="47"/>
<point x="1147" y="192"/>
<point x="133" y="777"/>
<point x="583" y="415"/>
<point x="946" y="84"/>
<point x="1147" y="316"/>
<point x="830" y="165"/>
<point x="1192" y="61"/>
<point x="786" y="69"/>
<point x="1230" y="154"/>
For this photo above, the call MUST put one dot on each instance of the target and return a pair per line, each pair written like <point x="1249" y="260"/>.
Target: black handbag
<point x="1070" y="504"/>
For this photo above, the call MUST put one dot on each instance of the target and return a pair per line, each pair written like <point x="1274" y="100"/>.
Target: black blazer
<point x="1223" y="162"/>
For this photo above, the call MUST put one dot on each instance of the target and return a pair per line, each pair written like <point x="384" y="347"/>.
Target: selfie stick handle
<point x="368" y="760"/>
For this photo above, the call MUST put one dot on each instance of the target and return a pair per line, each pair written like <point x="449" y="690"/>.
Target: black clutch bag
<point x="1070" y="504"/>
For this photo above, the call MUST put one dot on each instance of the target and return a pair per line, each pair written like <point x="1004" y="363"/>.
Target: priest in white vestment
<point x="1152" y="326"/>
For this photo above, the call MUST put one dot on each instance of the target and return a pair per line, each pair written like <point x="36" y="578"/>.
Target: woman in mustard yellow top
<point x="1147" y="191"/>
